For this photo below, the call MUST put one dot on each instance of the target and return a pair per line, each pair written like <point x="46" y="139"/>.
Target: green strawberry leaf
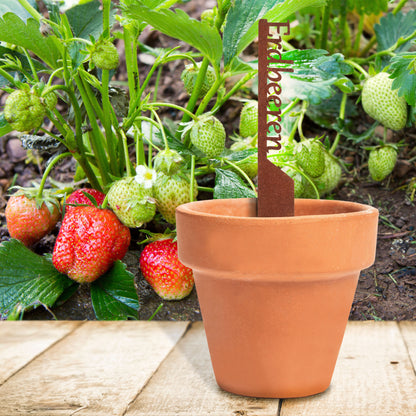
<point x="393" y="27"/>
<point x="230" y="185"/>
<point x="314" y="75"/>
<point x="14" y="58"/>
<point x="326" y="113"/>
<point x="403" y="66"/>
<point x="4" y="126"/>
<point x="15" y="31"/>
<point x="86" y="19"/>
<point x="179" y="25"/>
<point x="114" y="296"/>
<point x="241" y="27"/>
<point x="27" y="280"/>
<point x="240" y="155"/>
<point x="13" y="6"/>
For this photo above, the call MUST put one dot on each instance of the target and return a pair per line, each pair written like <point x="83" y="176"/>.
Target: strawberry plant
<point x="58" y="63"/>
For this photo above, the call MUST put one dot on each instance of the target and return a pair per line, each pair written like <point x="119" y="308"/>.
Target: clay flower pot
<point x="275" y="293"/>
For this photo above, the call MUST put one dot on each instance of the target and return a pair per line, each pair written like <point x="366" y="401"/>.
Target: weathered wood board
<point x="96" y="370"/>
<point x="373" y="376"/>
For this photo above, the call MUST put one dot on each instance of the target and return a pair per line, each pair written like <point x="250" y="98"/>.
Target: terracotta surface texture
<point x="275" y="293"/>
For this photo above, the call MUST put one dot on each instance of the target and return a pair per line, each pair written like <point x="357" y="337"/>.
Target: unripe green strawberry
<point x="24" y="110"/>
<point x="168" y="161"/>
<point x="132" y="202"/>
<point x="329" y="180"/>
<point x="170" y="192"/>
<point x="249" y="119"/>
<point x="208" y="135"/>
<point x="381" y="162"/>
<point x="50" y="100"/>
<point x="28" y="220"/>
<point x="189" y="75"/>
<point x="104" y="55"/>
<point x="310" y="157"/>
<point x="383" y="103"/>
<point x="297" y="180"/>
<point x="208" y="16"/>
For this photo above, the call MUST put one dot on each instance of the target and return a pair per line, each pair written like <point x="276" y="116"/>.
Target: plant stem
<point x="342" y="118"/>
<point x="358" y="67"/>
<point x="325" y="21"/>
<point x="356" y="46"/>
<point x="176" y="107"/>
<point x="107" y="109"/>
<point x="106" y="18"/>
<point x="48" y="170"/>
<point x="191" y="188"/>
<point x="195" y="94"/>
<point x="162" y="130"/>
<point x="132" y="76"/>
<point x="126" y="154"/>
<point x="96" y="137"/>
<point x="32" y="11"/>
<point x="233" y="90"/>
<point x="242" y="173"/>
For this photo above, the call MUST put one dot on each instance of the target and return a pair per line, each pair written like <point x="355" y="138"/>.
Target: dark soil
<point x="386" y="291"/>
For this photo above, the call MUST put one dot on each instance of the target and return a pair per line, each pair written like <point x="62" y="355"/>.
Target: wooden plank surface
<point x="408" y="330"/>
<point x="373" y="377"/>
<point x="21" y="342"/>
<point x="184" y="385"/>
<point x="96" y="370"/>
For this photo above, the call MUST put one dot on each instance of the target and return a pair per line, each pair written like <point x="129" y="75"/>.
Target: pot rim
<point x="352" y="209"/>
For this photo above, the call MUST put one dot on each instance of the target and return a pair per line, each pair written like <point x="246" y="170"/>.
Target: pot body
<point x="275" y="293"/>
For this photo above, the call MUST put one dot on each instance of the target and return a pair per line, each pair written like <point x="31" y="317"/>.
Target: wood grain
<point x="21" y="342"/>
<point x="96" y="370"/>
<point x="373" y="377"/>
<point x="184" y="385"/>
<point x="408" y="330"/>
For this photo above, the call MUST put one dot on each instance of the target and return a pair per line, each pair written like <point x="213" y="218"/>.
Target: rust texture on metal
<point x="275" y="188"/>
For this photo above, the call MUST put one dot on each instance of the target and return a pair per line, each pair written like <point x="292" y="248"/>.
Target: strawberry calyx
<point x="168" y="161"/>
<point x="152" y="237"/>
<point x="47" y="197"/>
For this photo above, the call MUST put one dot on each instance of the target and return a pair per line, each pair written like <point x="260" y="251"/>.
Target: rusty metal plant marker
<point x="275" y="188"/>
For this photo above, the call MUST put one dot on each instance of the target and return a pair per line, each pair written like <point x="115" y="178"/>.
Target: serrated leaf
<point x="9" y="55"/>
<point x="27" y="279"/>
<point x="13" y="6"/>
<point x="114" y="296"/>
<point x="404" y="76"/>
<point x="179" y="25"/>
<point x="15" y="31"/>
<point x="87" y="19"/>
<point x="240" y="18"/>
<point x="230" y="185"/>
<point x="314" y="75"/>
<point x="393" y="27"/>
<point x="241" y="27"/>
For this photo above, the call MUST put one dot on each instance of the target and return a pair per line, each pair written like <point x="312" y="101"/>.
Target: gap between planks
<point x="23" y="341"/>
<point x="96" y="370"/>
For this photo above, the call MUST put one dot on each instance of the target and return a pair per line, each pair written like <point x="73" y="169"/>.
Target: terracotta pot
<point x="275" y="293"/>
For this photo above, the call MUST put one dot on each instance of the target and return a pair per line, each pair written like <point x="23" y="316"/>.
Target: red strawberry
<point x="29" y="219"/>
<point x="78" y="198"/>
<point x="89" y="242"/>
<point x="161" y="267"/>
